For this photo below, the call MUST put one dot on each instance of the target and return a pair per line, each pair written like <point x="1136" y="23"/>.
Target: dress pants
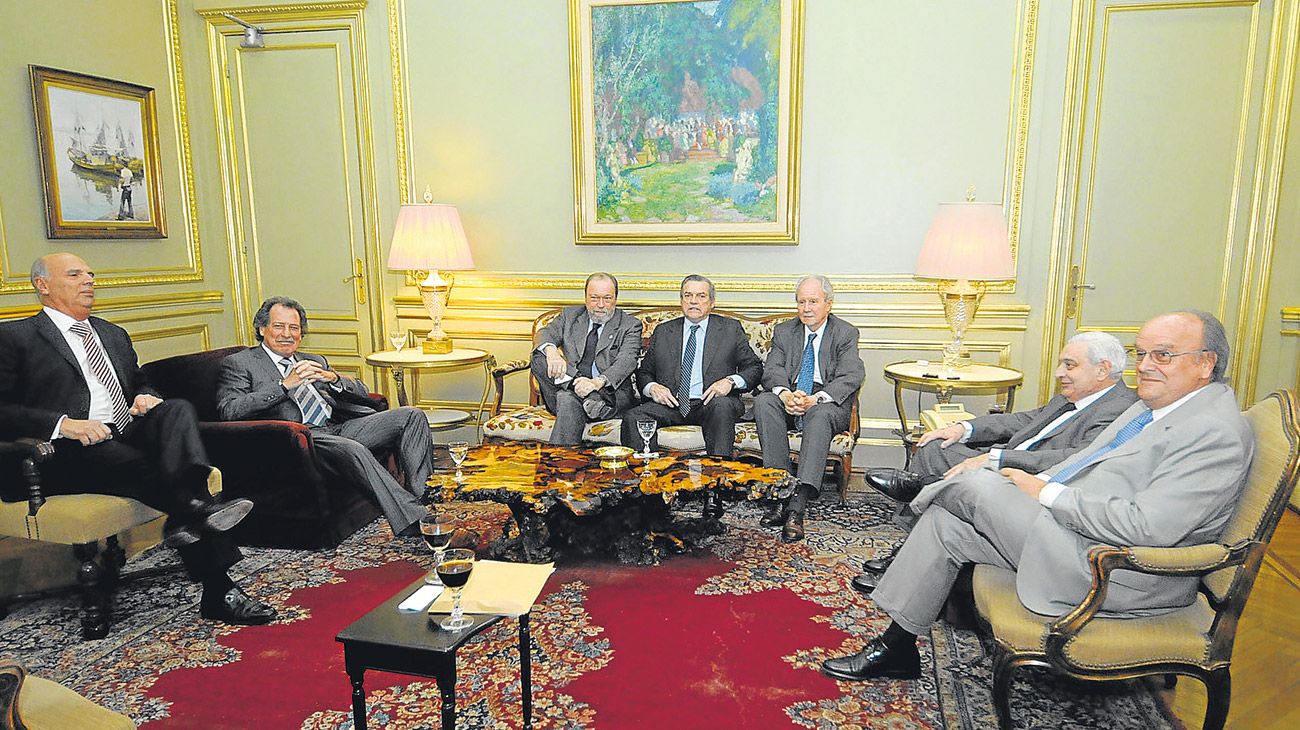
<point x="717" y="419"/>
<point x="158" y="460"/>
<point x="565" y="405"/>
<point x="933" y="461"/>
<point x="980" y="517"/>
<point x="820" y="424"/>
<point x="346" y="448"/>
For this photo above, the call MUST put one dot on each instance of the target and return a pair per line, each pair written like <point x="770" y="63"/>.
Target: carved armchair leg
<point x="1218" y="690"/>
<point x="1002" y="668"/>
<point x="114" y="559"/>
<point x="94" y="594"/>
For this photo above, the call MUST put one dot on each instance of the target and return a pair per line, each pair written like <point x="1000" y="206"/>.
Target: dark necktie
<point x="684" y="375"/>
<point x="589" y="352"/>
<point x="1130" y="429"/>
<point x="103" y="372"/>
<point x="315" y="411"/>
<point x="805" y="380"/>
<point x="1041" y="436"/>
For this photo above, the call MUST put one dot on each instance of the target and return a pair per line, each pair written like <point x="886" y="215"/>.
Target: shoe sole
<point x="891" y="674"/>
<point x="180" y="538"/>
<point x="238" y="621"/>
<point x="228" y="516"/>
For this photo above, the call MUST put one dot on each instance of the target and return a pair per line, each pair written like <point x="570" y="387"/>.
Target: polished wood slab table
<point x="567" y="501"/>
<point x="389" y="640"/>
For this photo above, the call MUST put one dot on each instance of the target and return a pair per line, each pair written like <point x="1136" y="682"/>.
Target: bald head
<point x="1179" y="339"/>
<point x="65" y="283"/>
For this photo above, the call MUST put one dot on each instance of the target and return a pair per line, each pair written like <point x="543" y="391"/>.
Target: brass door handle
<point x="358" y="280"/>
<point x="1074" y="287"/>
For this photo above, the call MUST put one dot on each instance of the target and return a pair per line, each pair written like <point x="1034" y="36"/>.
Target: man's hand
<point x="662" y="395"/>
<point x="556" y="365"/>
<point x="950" y="435"/>
<point x="87" y="432"/>
<point x="796" y="402"/>
<point x="971" y="464"/>
<point x="307" y="371"/>
<point x="583" y="387"/>
<point x="720" y="388"/>
<point x="1028" y="483"/>
<point x="143" y="403"/>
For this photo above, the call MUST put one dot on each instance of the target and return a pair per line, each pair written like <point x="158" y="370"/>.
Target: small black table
<point x="389" y="640"/>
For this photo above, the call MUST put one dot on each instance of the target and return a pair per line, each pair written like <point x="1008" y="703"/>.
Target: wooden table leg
<point x="446" y="679"/>
<point x="526" y="671"/>
<point x="399" y="377"/>
<point x="358" y="698"/>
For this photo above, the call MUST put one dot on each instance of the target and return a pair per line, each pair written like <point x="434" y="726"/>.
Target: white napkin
<point x="421" y="599"/>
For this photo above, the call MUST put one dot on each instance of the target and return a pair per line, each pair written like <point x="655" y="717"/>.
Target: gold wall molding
<point x="164" y="332"/>
<point x="123" y="304"/>
<point x="1290" y="321"/>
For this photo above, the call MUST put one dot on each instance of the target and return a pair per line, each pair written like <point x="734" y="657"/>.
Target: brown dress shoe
<point x="793" y="529"/>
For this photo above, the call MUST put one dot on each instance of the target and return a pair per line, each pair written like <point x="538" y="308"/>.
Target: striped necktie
<point x="315" y="411"/>
<point x="103" y="372"/>
<point x="684" y="375"/>
<point x="1130" y="429"/>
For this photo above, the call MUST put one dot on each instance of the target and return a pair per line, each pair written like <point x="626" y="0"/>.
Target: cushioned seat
<point x="39" y="704"/>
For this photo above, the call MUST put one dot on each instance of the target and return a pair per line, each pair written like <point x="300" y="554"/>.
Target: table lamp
<point x="967" y="245"/>
<point x="429" y="238"/>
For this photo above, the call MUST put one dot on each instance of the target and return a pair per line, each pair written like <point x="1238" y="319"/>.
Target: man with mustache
<point x="275" y="380"/>
<point x="585" y="358"/>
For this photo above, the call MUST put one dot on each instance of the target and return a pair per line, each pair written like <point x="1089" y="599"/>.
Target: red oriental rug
<point x="727" y="637"/>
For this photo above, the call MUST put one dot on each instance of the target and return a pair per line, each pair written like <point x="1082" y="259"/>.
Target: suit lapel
<point x="47" y="329"/>
<point x="710" y="348"/>
<point x="1045" y="416"/>
<point x="825" y="351"/>
<point x="577" y="336"/>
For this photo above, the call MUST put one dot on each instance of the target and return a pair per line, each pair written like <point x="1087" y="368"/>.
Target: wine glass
<point x="398" y="338"/>
<point x="454" y="570"/>
<point x="646" y="427"/>
<point x="458" y="450"/>
<point x="436" y="531"/>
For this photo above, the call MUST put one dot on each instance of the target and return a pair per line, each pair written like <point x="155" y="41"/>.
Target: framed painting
<point x="98" y="144"/>
<point x="686" y="119"/>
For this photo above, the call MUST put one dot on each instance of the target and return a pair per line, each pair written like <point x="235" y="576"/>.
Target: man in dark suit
<point x="74" y="380"/>
<point x="274" y="380"/>
<point x="601" y="343"/>
<point x="811" y="380"/>
<point x="1167" y="472"/>
<point x="1092" y="395"/>
<point x="694" y="371"/>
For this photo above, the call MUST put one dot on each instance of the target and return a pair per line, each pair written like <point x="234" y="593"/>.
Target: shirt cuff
<point x="1047" y="497"/>
<point x="58" y="425"/>
<point x="737" y="381"/>
<point x="778" y="390"/>
<point x="995" y="458"/>
<point x="967" y="431"/>
<point x="823" y="397"/>
<point x="542" y="347"/>
<point x="645" y="392"/>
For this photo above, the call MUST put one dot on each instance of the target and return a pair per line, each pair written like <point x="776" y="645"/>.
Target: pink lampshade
<point x="429" y="237"/>
<point x="967" y="241"/>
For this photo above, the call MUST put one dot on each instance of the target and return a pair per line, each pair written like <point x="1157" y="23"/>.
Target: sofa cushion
<point x="72" y="519"/>
<point x="191" y="377"/>
<point x="534" y="423"/>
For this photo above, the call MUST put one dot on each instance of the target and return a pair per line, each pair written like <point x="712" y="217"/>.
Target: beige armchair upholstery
<point x="1196" y="640"/>
<point x="534" y="422"/>
<point x="39" y="704"/>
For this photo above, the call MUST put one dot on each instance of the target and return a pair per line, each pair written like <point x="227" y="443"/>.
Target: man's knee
<point x="178" y="409"/>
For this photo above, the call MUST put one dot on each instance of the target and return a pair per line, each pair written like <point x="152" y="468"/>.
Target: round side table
<point x="933" y="377"/>
<point x="398" y="362"/>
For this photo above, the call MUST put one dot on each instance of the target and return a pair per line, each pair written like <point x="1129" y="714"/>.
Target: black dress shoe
<point x="774" y="516"/>
<point x="877" y="565"/>
<point x="865" y="583"/>
<point x="874" y="661"/>
<point x="712" y="507"/>
<point x="235" y="607"/>
<point x="205" y="516"/>
<point x="901" y="485"/>
<point x="793" y="529"/>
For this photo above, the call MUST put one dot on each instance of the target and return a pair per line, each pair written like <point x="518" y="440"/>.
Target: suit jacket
<point x="248" y="387"/>
<point x="837" y="359"/>
<point x="616" y="350"/>
<point x="726" y="352"/>
<point x="1013" y="429"/>
<point x="1176" y="483"/>
<point x="41" y="381"/>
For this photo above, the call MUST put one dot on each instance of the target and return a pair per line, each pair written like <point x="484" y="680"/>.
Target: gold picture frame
<point x="686" y="123"/>
<point x="100" y="167"/>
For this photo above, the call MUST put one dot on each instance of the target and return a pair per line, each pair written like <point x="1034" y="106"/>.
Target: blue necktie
<point x="1130" y="429"/>
<point x="684" y="376"/>
<point x="805" y="380"/>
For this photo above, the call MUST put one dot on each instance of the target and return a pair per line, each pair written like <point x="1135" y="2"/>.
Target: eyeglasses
<point x="1160" y="357"/>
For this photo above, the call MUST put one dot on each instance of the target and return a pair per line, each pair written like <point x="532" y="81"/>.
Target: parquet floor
<point x="1266" y="657"/>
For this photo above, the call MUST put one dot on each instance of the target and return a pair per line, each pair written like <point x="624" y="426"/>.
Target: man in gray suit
<point x="1167" y="472"/>
<point x="274" y="380"/>
<point x="584" y="360"/>
<point x="811" y="380"/>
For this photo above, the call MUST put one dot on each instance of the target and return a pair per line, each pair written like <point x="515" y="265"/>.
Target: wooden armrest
<point x="31" y="452"/>
<point x="499" y="374"/>
<point x="12" y="675"/>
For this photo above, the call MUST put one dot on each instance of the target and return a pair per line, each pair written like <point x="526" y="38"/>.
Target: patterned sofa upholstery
<point x="534" y="422"/>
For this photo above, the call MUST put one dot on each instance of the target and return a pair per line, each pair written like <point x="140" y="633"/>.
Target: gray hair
<point x="1103" y="346"/>
<point x="713" y="294"/>
<point x="40" y="270"/>
<point x="263" y="316"/>
<point x="827" y="290"/>
<point x="1214" y="338"/>
<point x="598" y="276"/>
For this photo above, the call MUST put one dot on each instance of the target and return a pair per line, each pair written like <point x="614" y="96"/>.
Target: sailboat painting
<point x="99" y="156"/>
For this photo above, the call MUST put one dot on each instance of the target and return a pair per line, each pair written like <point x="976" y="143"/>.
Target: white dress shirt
<point x="101" y="404"/>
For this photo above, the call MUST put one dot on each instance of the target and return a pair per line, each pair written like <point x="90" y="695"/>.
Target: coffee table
<point x="567" y="502"/>
<point x="389" y="640"/>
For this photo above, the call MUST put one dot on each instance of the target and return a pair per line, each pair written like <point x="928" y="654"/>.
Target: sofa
<point x="297" y="503"/>
<point x="534" y="422"/>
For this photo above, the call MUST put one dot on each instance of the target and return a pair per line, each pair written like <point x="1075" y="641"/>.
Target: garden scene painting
<point x="685" y="105"/>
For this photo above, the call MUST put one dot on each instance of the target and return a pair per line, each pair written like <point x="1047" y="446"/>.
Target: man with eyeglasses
<point x="694" y="371"/>
<point x="1166" y="473"/>
<point x="585" y="358"/>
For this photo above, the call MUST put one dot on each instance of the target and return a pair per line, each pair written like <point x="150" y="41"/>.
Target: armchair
<point x="297" y="503"/>
<point x="1196" y="640"/>
<point x="31" y="702"/>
